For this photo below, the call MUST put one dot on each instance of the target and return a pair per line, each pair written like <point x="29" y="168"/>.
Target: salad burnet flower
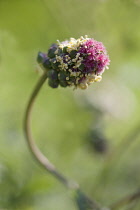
<point x="74" y="62"/>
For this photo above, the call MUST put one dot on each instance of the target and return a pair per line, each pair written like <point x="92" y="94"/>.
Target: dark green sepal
<point x="73" y="53"/>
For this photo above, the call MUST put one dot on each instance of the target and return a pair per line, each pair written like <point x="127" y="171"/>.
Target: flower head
<point x="75" y="62"/>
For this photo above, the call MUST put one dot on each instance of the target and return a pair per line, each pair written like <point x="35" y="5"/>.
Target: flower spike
<point x="75" y="62"/>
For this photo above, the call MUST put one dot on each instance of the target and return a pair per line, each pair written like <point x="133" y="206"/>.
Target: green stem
<point x="42" y="160"/>
<point x="126" y="200"/>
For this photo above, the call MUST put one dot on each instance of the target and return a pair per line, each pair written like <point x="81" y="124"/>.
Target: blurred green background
<point x="92" y="135"/>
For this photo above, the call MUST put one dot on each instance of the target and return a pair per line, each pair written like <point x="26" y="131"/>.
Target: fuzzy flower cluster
<point x="76" y="62"/>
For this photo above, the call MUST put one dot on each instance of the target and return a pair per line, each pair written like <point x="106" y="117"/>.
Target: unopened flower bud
<point x="52" y="74"/>
<point x="53" y="83"/>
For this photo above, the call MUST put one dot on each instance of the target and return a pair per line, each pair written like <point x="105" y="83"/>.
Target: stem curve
<point x="42" y="160"/>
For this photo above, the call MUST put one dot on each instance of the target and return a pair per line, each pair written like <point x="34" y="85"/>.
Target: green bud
<point x="52" y="74"/>
<point x="51" y="52"/>
<point x="62" y="78"/>
<point x="72" y="79"/>
<point x="54" y="65"/>
<point x="73" y="53"/>
<point x="47" y="63"/>
<point x="59" y="51"/>
<point x="53" y="83"/>
<point x="63" y="75"/>
<point x="40" y="57"/>
<point x="81" y="67"/>
<point x="63" y="83"/>
<point x="65" y="49"/>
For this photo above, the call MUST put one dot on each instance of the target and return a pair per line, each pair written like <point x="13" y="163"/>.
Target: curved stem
<point x="42" y="160"/>
<point x="126" y="200"/>
<point x="31" y="143"/>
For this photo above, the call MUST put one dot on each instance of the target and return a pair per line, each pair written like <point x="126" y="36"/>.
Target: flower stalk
<point x="31" y="143"/>
<point x="43" y="160"/>
<point x="126" y="200"/>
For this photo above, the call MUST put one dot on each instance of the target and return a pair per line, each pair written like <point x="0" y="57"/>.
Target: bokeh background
<point x="92" y="136"/>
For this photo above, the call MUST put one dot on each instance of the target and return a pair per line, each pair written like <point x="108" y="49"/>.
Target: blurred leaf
<point x="85" y="203"/>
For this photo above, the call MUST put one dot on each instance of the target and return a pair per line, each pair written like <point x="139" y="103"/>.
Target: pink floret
<point x="96" y="58"/>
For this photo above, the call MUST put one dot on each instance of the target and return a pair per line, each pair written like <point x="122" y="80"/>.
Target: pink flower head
<point x="97" y="59"/>
<point x="75" y="62"/>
